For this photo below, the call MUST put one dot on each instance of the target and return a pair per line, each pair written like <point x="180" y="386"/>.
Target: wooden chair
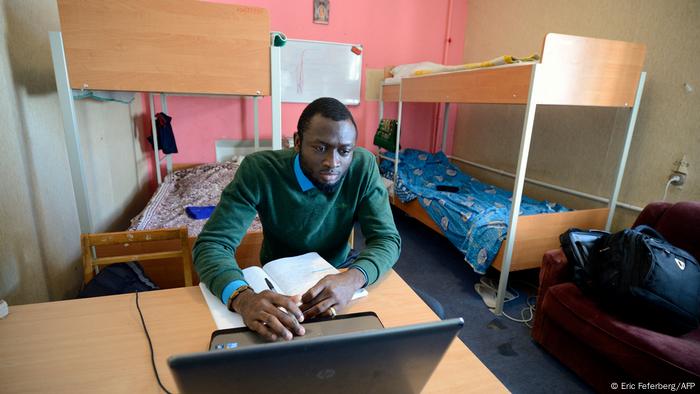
<point x="136" y="246"/>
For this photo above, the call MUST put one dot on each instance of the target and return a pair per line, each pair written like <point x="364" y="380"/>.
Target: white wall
<point x="39" y="229"/>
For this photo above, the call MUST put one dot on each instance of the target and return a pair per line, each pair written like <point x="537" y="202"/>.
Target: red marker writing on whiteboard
<point x="356" y="50"/>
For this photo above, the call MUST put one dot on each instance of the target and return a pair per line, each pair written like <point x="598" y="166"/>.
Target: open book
<point x="289" y="276"/>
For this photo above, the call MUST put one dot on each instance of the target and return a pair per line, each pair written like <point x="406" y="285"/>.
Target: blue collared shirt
<point x="304" y="182"/>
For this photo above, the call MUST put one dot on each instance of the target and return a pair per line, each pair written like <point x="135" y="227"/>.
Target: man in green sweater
<point x="308" y="199"/>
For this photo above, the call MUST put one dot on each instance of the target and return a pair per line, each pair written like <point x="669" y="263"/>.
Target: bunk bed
<point x="574" y="71"/>
<point x="183" y="47"/>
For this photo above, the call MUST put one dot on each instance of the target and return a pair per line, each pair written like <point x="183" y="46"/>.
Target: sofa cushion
<point x="679" y="223"/>
<point x="640" y="352"/>
<point x="651" y="214"/>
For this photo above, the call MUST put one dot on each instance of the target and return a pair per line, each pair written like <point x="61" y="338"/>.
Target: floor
<point x="433" y="266"/>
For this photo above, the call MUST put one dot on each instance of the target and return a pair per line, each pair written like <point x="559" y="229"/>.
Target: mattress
<point x="426" y="68"/>
<point x="196" y="186"/>
<point x="475" y="218"/>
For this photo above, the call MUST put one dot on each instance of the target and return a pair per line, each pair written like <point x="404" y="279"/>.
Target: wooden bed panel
<point x="536" y="233"/>
<point x="589" y="71"/>
<point x="390" y="93"/>
<point x="171" y="46"/>
<point x="416" y="211"/>
<point x="504" y="85"/>
<point x="248" y="252"/>
<point x="539" y="233"/>
<point x="167" y="273"/>
<point x="184" y="166"/>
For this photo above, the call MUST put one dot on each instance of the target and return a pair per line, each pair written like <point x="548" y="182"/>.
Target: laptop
<point x="380" y="360"/>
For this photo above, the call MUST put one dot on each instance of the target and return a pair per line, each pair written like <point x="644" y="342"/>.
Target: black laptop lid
<point x="391" y="360"/>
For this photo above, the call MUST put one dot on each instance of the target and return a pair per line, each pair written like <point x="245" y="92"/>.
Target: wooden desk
<point x="98" y="345"/>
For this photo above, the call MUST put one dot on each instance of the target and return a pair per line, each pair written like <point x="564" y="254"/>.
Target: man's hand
<point x="261" y="313"/>
<point x="331" y="291"/>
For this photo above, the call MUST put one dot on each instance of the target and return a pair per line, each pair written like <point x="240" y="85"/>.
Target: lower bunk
<point x="191" y="185"/>
<point x="474" y="215"/>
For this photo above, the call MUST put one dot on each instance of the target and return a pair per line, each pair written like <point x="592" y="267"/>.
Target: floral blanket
<point x="197" y="186"/>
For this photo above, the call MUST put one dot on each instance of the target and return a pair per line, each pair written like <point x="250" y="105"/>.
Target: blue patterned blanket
<point x="474" y="219"/>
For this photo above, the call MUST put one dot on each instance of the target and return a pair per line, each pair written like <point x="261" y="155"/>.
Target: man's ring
<point x="332" y="311"/>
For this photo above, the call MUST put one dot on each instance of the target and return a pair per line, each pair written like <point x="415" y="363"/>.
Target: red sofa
<point x="602" y="349"/>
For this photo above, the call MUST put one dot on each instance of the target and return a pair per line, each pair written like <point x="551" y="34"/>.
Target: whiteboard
<point x="313" y="69"/>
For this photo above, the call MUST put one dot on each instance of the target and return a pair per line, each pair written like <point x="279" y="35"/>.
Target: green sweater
<point x="297" y="222"/>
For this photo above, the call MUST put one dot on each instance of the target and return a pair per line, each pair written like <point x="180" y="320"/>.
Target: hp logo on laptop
<point x="325" y="374"/>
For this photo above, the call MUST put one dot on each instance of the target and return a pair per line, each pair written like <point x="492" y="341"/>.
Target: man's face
<point x="325" y="151"/>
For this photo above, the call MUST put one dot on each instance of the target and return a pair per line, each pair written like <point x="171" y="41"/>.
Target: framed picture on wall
<point x="321" y="10"/>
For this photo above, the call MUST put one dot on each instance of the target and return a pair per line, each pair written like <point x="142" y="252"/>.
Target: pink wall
<point x="391" y="32"/>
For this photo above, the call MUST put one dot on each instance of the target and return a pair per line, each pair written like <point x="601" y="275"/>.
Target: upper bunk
<point x="579" y="71"/>
<point x="183" y="47"/>
<point x="166" y="46"/>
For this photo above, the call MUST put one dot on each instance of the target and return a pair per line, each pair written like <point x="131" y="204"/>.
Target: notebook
<point x="389" y="360"/>
<point x="288" y="276"/>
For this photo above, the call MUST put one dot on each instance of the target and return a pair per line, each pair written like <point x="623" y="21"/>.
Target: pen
<point x="270" y="286"/>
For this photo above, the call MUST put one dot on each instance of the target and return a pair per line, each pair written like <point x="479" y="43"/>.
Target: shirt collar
<point x="304" y="182"/>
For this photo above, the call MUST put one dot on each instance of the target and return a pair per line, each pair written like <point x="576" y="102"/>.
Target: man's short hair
<point x="327" y="107"/>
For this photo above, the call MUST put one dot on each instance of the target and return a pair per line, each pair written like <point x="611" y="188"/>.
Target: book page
<point x="255" y="276"/>
<point x="223" y="317"/>
<point x="296" y="275"/>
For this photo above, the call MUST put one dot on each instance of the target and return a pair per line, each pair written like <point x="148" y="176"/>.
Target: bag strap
<point x="138" y="270"/>
<point x="645" y="229"/>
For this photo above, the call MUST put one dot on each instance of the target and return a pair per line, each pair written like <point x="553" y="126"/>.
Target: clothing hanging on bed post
<point x="166" y="137"/>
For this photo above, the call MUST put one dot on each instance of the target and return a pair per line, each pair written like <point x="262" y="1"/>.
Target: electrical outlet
<point x="677" y="179"/>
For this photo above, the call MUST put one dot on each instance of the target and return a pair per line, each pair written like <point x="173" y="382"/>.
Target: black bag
<point x="118" y="278"/>
<point x="638" y="274"/>
<point x="649" y="280"/>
